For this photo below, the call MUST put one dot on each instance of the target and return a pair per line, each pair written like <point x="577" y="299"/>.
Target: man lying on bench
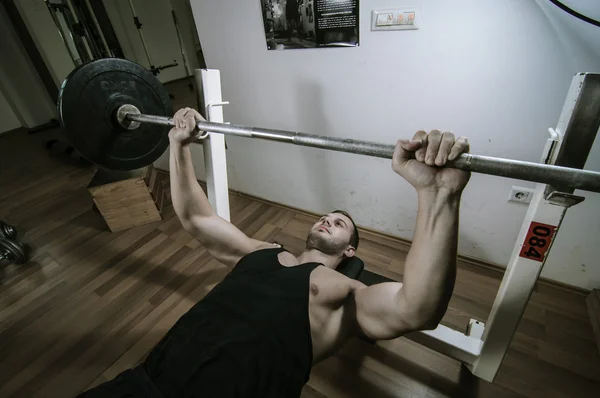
<point x="258" y="332"/>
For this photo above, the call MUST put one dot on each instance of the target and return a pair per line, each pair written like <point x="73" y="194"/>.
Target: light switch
<point x="399" y="19"/>
<point x="385" y="19"/>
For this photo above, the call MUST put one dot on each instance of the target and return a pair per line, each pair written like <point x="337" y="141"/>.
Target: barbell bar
<point x="528" y="171"/>
<point x="117" y="114"/>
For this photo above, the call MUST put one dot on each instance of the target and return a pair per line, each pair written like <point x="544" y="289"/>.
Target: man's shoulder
<point x="260" y="245"/>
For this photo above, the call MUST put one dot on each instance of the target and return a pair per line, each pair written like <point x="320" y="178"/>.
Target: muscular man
<point x="258" y="332"/>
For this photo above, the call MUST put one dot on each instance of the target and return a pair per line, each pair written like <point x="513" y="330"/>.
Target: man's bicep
<point x="222" y="239"/>
<point x="381" y="313"/>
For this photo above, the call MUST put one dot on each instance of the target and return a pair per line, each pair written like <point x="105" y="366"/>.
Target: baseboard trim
<point x="496" y="268"/>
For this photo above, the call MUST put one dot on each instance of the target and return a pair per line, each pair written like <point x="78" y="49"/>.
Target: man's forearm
<point x="189" y="199"/>
<point x="430" y="267"/>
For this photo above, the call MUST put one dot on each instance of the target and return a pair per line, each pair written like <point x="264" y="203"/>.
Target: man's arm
<point x="389" y="310"/>
<point x="221" y="238"/>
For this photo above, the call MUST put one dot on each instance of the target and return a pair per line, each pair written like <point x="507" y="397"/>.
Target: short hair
<point x="354" y="238"/>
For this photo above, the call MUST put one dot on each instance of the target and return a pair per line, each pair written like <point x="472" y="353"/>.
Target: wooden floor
<point x="91" y="303"/>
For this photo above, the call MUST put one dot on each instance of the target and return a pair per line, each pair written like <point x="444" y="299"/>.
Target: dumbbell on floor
<point x="7" y="231"/>
<point x="13" y="251"/>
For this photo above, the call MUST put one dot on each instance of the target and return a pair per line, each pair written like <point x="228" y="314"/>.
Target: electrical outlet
<point x="520" y="195"/>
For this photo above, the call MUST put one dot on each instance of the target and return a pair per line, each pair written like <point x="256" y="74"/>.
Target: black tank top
<point x="249" y="337"/>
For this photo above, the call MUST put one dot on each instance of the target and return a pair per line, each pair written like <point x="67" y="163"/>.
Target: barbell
<point x="117" y="114"/>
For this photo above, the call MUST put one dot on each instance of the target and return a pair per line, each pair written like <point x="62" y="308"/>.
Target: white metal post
<point x="208" y="83"/>
<point x="541" y="223"/>
<point x="465" y="347"/>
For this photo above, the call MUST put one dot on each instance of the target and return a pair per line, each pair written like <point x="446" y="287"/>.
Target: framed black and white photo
<point x="295" y="24"/>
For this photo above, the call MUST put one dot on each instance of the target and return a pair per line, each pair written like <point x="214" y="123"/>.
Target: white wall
<point x="20" y="81"/>
<point x="493" y="71"/>
<point x="580" y="40"/>
<point x="46" y="37"/>
<point x="159" y="33"/>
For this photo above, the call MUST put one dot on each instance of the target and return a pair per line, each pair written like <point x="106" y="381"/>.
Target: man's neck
<point x="316" y="256"/>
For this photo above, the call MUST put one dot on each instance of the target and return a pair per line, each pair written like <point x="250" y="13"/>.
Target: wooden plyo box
<point x="128" y="198"/>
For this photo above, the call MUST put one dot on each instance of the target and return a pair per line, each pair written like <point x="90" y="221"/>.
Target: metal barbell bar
<point x="536" y="172"/>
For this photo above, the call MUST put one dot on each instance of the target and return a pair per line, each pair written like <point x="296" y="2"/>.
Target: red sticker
<point x="538" y="241"/>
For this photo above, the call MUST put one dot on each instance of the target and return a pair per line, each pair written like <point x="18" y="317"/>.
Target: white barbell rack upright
<point x="546" y="212"/>
<point x="208" y="87"/>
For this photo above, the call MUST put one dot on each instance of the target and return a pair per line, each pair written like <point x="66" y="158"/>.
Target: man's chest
<point x="329" y="302"/>
<point x="328" y="294"/>
<point x="328" y="288"/>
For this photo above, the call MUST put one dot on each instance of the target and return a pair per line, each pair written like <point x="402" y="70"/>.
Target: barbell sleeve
<point x="528" y="171"/>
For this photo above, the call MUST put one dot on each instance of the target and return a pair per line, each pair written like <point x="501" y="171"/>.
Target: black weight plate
<point x="14" y="251"/>
<point x="88" y="100"/>
<point x="7" y="231"/>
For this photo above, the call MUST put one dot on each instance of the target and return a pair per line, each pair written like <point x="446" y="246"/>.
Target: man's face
<point x="331" y="235"/>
